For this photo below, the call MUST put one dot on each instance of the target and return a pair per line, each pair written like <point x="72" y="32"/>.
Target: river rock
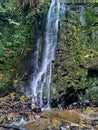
<point x="63" y="127"/>
<point x="1" y="105"/>
<point x="64" y="120"/>
<point x="22" y="122"/>
<point x="36" y="109"/>
<point x="54" y="128"/>
<point x="74" y="128"/>
<point x="87" y="128"/>
<point x="66" y="100"/>
<point x="37" y="116"/>
<point x="95" y="103"/>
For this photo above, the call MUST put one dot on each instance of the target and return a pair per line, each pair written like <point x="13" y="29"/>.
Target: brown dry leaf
<point x="6" y="105"/>
<point x="28" y="97"/>
<point x="1" y="110"/>
<point x="15" y="81"/>
<point x="22" y="98"/>
<point x="10" y="116"/>
<point x="12" y="95"/>
<point x="32" y="119"/>
<point x="83" y="125"/>
<point x="2" y="119"/>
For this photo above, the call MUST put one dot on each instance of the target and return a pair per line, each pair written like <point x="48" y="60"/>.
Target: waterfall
<point x="82" y="15"/>
<point x="36" y="55"/>
<point x="41" y="83"/>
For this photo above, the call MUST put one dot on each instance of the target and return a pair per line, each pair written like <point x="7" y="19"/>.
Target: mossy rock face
<point x="75" y="52"/>
<point x="94" y="63"/>
<point x="70" y="64"/>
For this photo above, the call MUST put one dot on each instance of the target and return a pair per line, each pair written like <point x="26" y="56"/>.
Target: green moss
<point x="74" y="53"/>
<point x="17" y="41"/>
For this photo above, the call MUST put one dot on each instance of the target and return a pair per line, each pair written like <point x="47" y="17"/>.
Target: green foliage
<point x="18" y="31"/>
<point x="87" y="1"/>
<point x="71" y="64"/>
<point x="93" y="93"/>
<point x="14" y="41"/>
<point x="76" y="48"/>
<point x="13" y="22"/>
<point x="90" y="15"/>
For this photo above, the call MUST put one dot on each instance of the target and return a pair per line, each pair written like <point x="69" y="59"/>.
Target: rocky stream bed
<point x="16" y="113"/>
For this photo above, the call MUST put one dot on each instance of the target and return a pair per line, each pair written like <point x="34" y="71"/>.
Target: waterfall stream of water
<point x="41" y="83"/>
<point x="82" y="15"/>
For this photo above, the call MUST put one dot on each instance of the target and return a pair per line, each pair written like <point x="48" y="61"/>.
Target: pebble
<point x="37" y="116"/>
<point x="74" y="128"/>
<point x="37" y="110"/>
<point x="1" y="105"/>
<point x="22" y="122"/>
<point x="54" y="128"/>
<point x="87" y="128"/>
<point x="62" y="127"/>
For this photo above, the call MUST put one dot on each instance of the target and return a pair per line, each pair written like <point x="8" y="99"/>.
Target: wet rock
<point x="54" y="128"/>
<point x="63" y="120"/>
<point x="1" y="105"/>
<point x="22" y="122"/>
<point x="37" y="116"/>
<point x="11" y="127"/>
<point x="94" y="123"/>
<point x="37" y="109"/>
<point x="54" y="103"/>
<point x="65" y="99"/>
<point x="96" y="11"/>
<point x="78" y="105"/>
<point x="87" y="102"/>
<point x="44" y="101"/>
<point x="63" y="127"/>
<point x="74" y="128"/>
<point x="27" y="107"/>
<point x="45" y="129"/>
<point x="95" y="103"/>
<point x="81" y="105"/>
<point x="87" y="128"/>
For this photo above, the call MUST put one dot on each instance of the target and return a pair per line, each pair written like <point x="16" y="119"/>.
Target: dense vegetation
<point x="76" y="53"/>
<point x="19" y="25"/>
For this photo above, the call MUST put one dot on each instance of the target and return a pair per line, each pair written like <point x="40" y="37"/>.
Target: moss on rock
<point x="74" y="53"/>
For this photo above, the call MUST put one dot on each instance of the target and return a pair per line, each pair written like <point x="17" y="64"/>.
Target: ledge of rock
<point x="93" y="64"/>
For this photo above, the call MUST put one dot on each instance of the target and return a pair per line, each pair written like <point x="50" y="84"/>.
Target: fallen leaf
<point x="12" y="95"/>
<point x="83" y="125"/>
<point x="1" y="110"/>
<point x="10" y="116"/>
<point x="2" y="119"/>
<point x="22" y="97"/>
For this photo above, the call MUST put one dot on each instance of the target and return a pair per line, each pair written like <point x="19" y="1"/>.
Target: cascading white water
<point x="82" y="15"/>
<point x="42" y="79"/>
<point x="36" y="58"/>
<point x="36" y="55"/>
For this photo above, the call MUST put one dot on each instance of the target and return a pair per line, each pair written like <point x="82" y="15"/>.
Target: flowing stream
<point x="41" y="83"/>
